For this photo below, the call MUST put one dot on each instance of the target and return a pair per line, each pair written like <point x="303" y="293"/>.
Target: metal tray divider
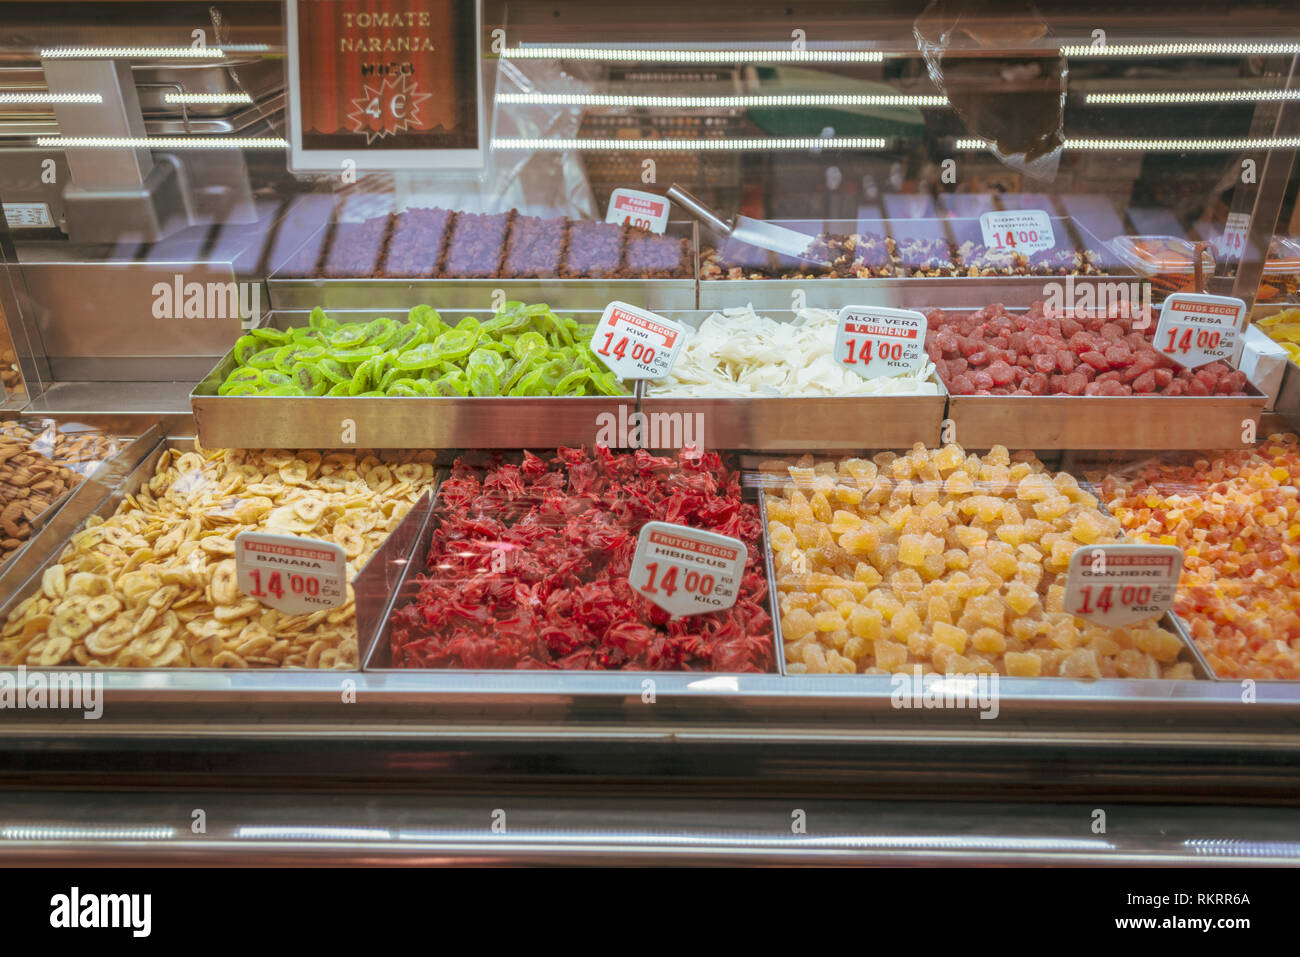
<point x="773" y="598"/>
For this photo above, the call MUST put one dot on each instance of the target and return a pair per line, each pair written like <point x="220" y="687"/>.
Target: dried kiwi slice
<point x="381" y="332"/>
<point x="571" y="382"/>
<point x="310" y="379"/>
<point x="246" y="377"/>
<point x="271" y="336"/>
<point x="318" y="320"/>
<point x="264" y="359"/>
<point x="530" y="343"/>
<point x="245" y="348"/>
<point x="353" y="356"/>
<point x="483" y="381"/>
<point x="422" y="356"/>
<point x="348" y="337"/>
<point x="340" y="388"/>
<point x="334" y="370"/>
<point x="411" y="334"/>
<point x="456" y="344"/>
<point x="451" y="385"/>
<point x="275" y="379"/>
<point x="487" y="358"/>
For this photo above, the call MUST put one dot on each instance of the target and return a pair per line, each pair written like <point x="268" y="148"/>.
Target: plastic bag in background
<point x="1015" y="104"/>
<point x="536" y="182"/>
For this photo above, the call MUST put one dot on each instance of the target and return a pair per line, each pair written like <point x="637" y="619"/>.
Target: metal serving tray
<point x="395" y="422"/>
<point x="23" y="578"/>
<point x="1169" y="620"/>
<point x="1105" y="422"/>
<point x="379" y="660"/>
<point x="800" y="423"/>
<point x="287" y="292"/>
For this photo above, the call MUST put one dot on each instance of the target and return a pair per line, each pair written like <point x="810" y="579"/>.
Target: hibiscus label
<point x="1196" y="329"/>
<point x="636" y="343"/>
<point x="1116" y="585"/>
<point x="874" y="341"/>
<point x="632" y="207"/>
<point x="686" y="571"/>
<point x="1018" y="230"/>
<point x="291" y="574"/>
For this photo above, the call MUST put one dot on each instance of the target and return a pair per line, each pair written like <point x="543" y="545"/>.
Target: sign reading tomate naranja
<point x="387" y="84"/>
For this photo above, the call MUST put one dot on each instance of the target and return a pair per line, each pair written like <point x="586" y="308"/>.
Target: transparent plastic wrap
<point x="32" y="483"/>
<point x="529" y="560"/>
<point x="522" y="350"/>
<point x="1237" y="519"/>
<point x="945" y="562"/>
<point x="76" y="446"/>
<point x="154" y="585"/>
<point x="738" y="353"/>
<point x="1014" y="104"/>
<point x="1061" y="350"/>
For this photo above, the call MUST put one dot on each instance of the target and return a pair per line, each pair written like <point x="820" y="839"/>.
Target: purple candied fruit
<point x="871" y="250"/>
<point x="926" y="253"/>
<point x="535" y="248"/>
<point x="416" y="243"/>
<point x="477" y="244"/>
<point x="595" y="249"/>
<point x="356" y="248"/>
<point x="297" y="250"/>
<point x="656" y="257"/>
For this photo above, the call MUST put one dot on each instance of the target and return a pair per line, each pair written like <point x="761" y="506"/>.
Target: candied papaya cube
<point x="781" y="537"/>
<point x="837" y="595"/>
<point x="958" y="483"/>
<point x="1010" y="514"/>
<point x="905" y="623"/>
<point x="968" y="536"/>
<point x="848" y="494"/>
<point x="933" y="567"/>
<point x="955" y="559"/>
<point x="1087" y="528"/>
<point x="856" y="648"/>
<point x="1011" y="534"/>
<point x="911" y="550"/>
<point x="1158" y="643"/>
<point x="865" y="623"/>
<point x="938" y="610"/>
<point x="840" y="665"/>
<point x="890" y="655"/>
<point x="949" y="457"/>
<point x="950" y="635"/>
<point x="998" y="455"/>
<point x="860" y="540"/>
<point x="990" y="641"/>
<point x="827" y="621"/>
<point x="867" y="574"/>
<point x="797" y="624"/>
<point x="1080" y="663"/>
<point x="1031" y="573"/>
<point x="989" y="611"/>
<point x="814" y="656"/>
<point x="1059" y="557"/>
<point x="1023" y="664"/>
<point x="1179" y="671"/>
<point x="1004" y="563"/>
<point x="1052" y="508"/>
<point x="821" y="508"/>
<point x="844" y="520"/>
<point x="805" y="534"/>
<point x="1021" y="598"/>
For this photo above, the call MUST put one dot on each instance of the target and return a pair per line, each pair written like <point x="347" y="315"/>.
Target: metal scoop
<point x="744" y="232"/>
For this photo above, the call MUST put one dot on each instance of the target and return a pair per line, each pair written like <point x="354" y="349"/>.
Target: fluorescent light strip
<point x="1288" y="142"/>
<point x="693" y="56"/>
<point x="164" y="142"/>
<point x="683" y="145"/>
<point x="207" y="98"/>
<point x="46" y="98"/>
<point x="39" y="833"/>
<point x="1212" y="48"/>
<point x="133" y="53"/>
<point x="701" y="102"/>
<point x="1207" y="96"/>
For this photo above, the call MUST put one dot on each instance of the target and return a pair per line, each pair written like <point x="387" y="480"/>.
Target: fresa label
<point x="1116" y="585"/>
<point x="1196" y="329"/>
<point x="291" y="574"/>
<point x="632" y="207"/>
<point x="686" y="571"/>
<point x="874" y="341"/>
<point x="636" y="343"/>
<point x="1021" y="230"/>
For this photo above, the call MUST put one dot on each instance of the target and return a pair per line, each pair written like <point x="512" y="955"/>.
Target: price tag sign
<point x="874" y="341"/>
<point x="1232" y="243"/>
<point x="632" y="207"/>
<point x="686" y="571"/>
<point x="1116" y="585"/>
<point x="291" y="574"/>
<point x="1022" y="230"/>
<point x="1196" y="328"/>
<point x="27" y="215"/>
<point x="637" y="343"/>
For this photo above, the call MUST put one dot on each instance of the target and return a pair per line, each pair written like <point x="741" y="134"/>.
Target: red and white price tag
<point x="875" y="341"/>
<point x="291" y="574"/>
<point x="1196" y="328"/>
<point x="637" y="343"/>
<point x="633" y="207"/>
<point x="1229" y="247"/>
<point x="1116" y="585"/>
<point x="687" y="571"/>
<point x="1021" y="230"/>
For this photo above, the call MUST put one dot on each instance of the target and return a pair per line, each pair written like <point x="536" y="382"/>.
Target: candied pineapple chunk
<point x="952" y="564"/>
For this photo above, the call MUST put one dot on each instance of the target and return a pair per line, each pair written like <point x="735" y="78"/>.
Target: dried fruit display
<point x="1039" y="352"/>
<point x="1237" y="519"/>
<point x="948" y="562"/>
<point x="529" y="561"/>
<point x="522" y="350"/>
<point x="30" y="483"/>
<point x="1284" y="329"/>
<point x="355" y="248"/>
<point x="154" y="585"/>
<point x="737" y="352"/>
<point x="416" y="243"/>
<point x="73" y="446"/>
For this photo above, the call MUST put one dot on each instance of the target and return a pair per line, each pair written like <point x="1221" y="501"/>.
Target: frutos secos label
<point x="875" y="341"/>
<point x="637" y="343"/>
<point x="1116" y="585"/>
<point x="291" y="574"/>
<point x="687" y="571"/>
<point x="1197" y="328"/>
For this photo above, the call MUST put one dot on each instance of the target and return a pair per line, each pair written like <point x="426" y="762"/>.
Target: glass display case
<point x="519" y="431"/>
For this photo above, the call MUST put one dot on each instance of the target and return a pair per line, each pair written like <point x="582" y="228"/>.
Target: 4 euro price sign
<point x="687" y="571"/>
<point x="291" y="574"/>
<point x="1116" y="585"/>
<point x="1196" y="329"/>
<point x="874" y="341"/>
<point x="636" y="343"/>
